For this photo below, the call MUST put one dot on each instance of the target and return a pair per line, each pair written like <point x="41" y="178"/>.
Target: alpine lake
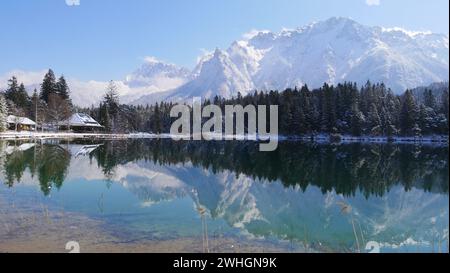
<point x="160" y="195"/>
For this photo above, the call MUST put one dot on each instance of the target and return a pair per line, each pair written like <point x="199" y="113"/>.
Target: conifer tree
<point x="17" y="93"/>
<point x="156" y="123"/>
<point x="374" y="120"/>
<point x="408" y="114"/>
<point x="22" y="99"/>
<point x="357" y="121"/>
<point x="48" y="86"/>
<point x="62" y="89"/>
<point x="12" y="90"/>
<point x="111" y="98"/>
<point x="429" y="99"/>
<point x="444" y="111"/>
<point x="444" y="106"/>
<point x="104" y="117"/>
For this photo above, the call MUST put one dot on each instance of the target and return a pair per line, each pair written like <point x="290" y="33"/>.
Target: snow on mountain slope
<point x="154" y="76"/>
<point x="340" y="49"/>
<point x="157" y="73"/>
<point x="332" y="51"/>
<point x="218" y="75"/>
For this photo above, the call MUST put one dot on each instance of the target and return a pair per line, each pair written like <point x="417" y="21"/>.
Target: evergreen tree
<point x="444" y="118"/>
<point x="104" y="117"/>
<point x="357" y="121"/>
<point x="48" y="86"/>
<point x="111" y="102"/>
<point x="374" y="120"/>
<point x="328" y="109"/>
<point x="62" y="89"/>
<point x="392" y="106"/>
<point x="111" y="98"/>
<point x="13" y="88"/>
<point x="444" y="106"/>
<point x="427" y="119"/>
<point x="156" y="122"/>
<point x="429" y="99"/>
<point x="408" y="114"/>
<point x="22" y="99"/>
<point x="17" y="94"/>
<point x="306" y="109"/>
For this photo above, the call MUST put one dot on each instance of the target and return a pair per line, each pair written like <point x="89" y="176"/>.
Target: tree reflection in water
<point x="348" y="170"/>
<point x="49" y="162"/>
<point x="370" y="168"/>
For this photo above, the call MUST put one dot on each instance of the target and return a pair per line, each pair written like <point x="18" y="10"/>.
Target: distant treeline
<point x="372" y="109"/>
<point x="342" y="109"/>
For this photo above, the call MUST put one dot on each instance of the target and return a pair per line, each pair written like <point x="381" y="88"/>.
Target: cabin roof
<point x="20" y="120"/>
<point x="82" y="119"/>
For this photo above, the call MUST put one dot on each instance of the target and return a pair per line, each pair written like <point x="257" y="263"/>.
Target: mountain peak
<point x="218" y="53"/>
<point x="334" y="50"/>
<point x="156" y="73"/>
<point x="151" y="60"/>
<point x="341" y="20"/>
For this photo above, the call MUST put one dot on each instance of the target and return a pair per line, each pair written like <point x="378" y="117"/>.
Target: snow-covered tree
<point x="3" y="114"/>
<point x="374" y="120"/>
<point x="408" y="114"/>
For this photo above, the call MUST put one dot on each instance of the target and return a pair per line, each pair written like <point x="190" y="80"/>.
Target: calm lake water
<point x="166" y="196"/>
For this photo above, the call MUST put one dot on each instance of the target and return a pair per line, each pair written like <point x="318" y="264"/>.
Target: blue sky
<point x="107" y="39"/>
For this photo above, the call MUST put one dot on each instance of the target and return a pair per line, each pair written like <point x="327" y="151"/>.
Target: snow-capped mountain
<point x="154" y="76"/>
<point x="332" y="51"/>
<point x="157" y="73"/>
<point x="340" y="49"/>
<point x="217" y="75"/>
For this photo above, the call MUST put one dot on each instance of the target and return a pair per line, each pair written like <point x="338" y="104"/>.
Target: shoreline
<point x="320" y="138"/>
<point x="434" y="139"/>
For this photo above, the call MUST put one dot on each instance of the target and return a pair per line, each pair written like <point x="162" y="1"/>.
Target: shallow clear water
<point x="302" y="197"/>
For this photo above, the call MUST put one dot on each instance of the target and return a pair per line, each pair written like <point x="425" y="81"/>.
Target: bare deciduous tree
<point x="38" y="110"/>
<point x="59" y="109"/>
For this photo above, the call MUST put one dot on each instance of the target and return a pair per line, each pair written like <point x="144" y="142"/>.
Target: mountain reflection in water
<point x="304" y="193"/>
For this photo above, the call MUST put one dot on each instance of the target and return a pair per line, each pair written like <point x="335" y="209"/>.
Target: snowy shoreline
<point x="62" y="135"/>
<point x="440" y="139"/>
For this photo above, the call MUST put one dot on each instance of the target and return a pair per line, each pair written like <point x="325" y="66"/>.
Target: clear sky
<point x="107" y="39"/>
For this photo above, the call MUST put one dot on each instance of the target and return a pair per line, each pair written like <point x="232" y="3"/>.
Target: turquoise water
<point x="328" y="197"/>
